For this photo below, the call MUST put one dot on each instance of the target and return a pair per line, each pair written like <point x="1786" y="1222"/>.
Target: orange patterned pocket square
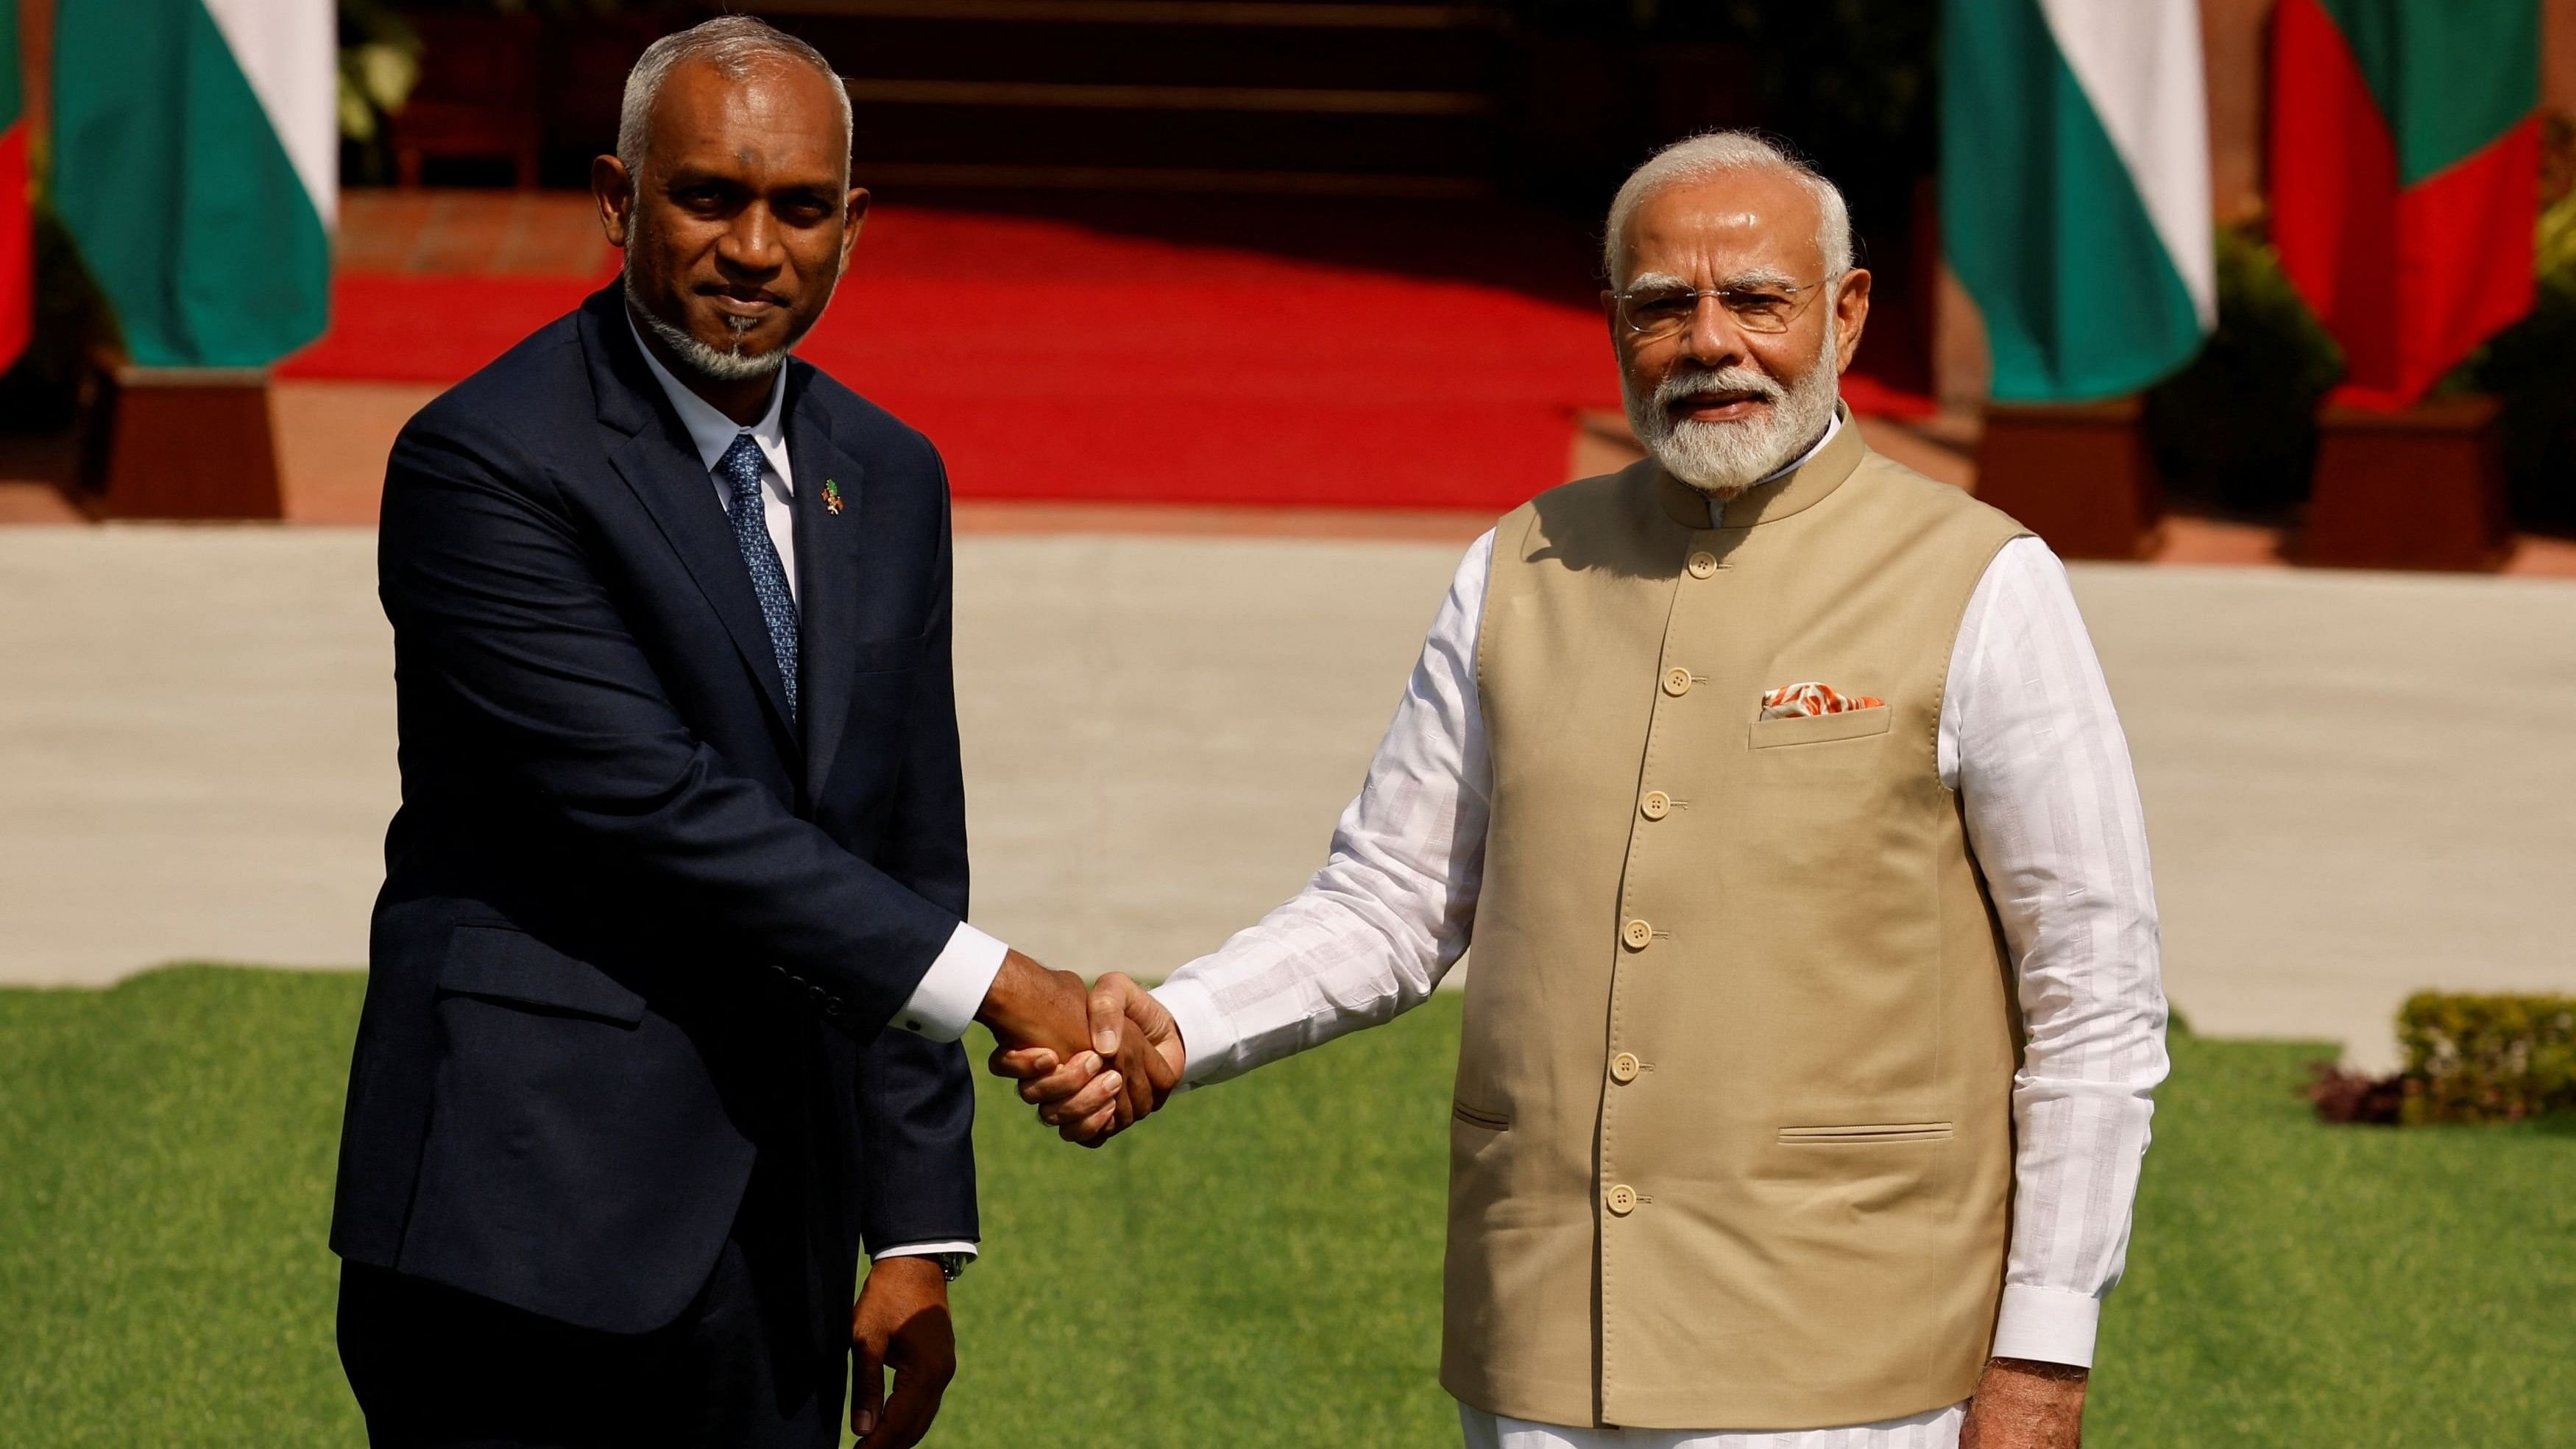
<point x="1797" y="701"/>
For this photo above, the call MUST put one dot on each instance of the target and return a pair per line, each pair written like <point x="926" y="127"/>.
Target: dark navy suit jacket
<point x="640" y="934"/>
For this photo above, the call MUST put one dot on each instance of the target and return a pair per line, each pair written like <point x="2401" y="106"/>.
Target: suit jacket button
<point x="1622" y="1199"/>
<point x="833" y="1008"/>
<point x="1677" y="681"/>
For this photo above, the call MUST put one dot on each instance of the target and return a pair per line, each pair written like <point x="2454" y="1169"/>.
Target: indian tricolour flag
<point x="17" y="246"/>
<point x="2075" y="189"/>
<point x="196" y="164"/>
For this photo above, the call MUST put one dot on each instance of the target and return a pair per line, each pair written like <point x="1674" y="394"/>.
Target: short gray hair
<point x="1714" y="154"/>
<point x="735" y="46"/>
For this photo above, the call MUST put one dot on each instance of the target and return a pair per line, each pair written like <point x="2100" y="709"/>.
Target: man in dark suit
<point x="670" y="963"/>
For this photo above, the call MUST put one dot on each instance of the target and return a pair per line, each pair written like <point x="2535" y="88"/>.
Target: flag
<point x="2405" y="161"/>
<point x="2075" y="189"/>
<point x="17" y="241"/>
<point x="196" y="166"/>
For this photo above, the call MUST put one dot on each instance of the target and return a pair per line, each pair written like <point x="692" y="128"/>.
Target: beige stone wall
<point x="2233" y="50"/>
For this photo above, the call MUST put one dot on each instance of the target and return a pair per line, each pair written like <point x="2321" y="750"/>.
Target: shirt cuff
<point x="952" y="991"/>
<point x="1207" y="1037"/>
<point x="920" y="1250"/>
<point x="2047" y="1325"/>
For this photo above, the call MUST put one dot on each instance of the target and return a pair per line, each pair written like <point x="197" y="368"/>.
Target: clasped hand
<point x="1093" y="1062"/>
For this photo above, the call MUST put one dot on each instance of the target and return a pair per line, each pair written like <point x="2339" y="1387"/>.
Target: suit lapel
<point x="827" y="579"/>
<point x="653" y="454"/>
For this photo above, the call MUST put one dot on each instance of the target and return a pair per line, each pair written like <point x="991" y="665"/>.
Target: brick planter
<point x="2418" y="489"/>
<point x="186" y="443"/>
<point x="2076" y="474"/>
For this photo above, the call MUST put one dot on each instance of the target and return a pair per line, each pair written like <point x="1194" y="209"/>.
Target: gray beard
<point x="1724" y="459"/>
<point x="697" y="357"/>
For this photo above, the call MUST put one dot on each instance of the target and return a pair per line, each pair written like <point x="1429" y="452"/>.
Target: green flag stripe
<point x="2449" y="78"/>
<point x="11" y="101"/>
<point x="172" y="181"/>
<point x="2041" y="221"/>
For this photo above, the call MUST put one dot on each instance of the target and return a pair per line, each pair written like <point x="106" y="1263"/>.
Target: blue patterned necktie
<point x="740" y="468"/>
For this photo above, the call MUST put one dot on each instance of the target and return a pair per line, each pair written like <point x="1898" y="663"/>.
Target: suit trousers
<point x="436" y="1368"/>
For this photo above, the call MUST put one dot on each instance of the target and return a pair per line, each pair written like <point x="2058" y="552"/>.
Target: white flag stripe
<point x="289" y="51"/>
<point x="2139" y="64"/>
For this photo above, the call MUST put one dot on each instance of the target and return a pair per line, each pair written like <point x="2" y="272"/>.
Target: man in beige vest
<point x="1814" y="1008"/>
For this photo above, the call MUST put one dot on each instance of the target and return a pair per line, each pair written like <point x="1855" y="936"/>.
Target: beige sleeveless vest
<point x="1732" y="1145"/>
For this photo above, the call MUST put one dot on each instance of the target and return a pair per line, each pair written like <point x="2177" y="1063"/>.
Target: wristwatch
<point x="951" y="1264"/>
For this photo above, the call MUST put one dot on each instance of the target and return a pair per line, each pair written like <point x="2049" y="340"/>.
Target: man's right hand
<point x="1032" y="1009"/>
<point x="1133" y="1036"/>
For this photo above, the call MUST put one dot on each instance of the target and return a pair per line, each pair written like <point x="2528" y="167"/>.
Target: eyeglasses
<point x="1655" y="313"/>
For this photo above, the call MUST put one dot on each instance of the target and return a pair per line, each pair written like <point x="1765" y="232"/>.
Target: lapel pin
<point x="831" y="497"/>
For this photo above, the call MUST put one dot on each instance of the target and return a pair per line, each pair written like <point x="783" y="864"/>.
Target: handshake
<point x="1093" y="1061"/>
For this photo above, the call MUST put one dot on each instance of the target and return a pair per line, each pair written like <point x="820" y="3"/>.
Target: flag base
<point x="184" y="442"/>
<point x="2076" y="474"/>
<point x="2418" y="489"/>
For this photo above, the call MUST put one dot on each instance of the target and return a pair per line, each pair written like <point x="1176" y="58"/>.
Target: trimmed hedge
<point x="2487" y="1058"/>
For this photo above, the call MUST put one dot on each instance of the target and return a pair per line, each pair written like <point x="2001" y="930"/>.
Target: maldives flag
<point x="17" y="247"/>
<point x="2405" y="178"/>
<point x="196" y="164"/>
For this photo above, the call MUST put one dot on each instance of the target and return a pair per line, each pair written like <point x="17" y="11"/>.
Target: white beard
<point x="1724" y="459"/>
<point x="705" y="361"/>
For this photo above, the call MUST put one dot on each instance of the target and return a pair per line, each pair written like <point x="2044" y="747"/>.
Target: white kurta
<point x="2028" y="737"/>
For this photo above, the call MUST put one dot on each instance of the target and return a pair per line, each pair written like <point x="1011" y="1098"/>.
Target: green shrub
<point x="2531" y="367"/>
<point x="2487" y="1058"/>
<point x="48" y="387"/>
<point x="2236" y="430"/>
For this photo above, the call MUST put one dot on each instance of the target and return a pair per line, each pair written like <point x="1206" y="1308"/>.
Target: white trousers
<point x="1937" y="1429"/>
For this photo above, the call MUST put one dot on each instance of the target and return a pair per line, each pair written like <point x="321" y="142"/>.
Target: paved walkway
<point x="2358" y="784"/>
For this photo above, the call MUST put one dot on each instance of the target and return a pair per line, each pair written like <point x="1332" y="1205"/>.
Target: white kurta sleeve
<point x="1393" y="907"/>
<point x="2031" y="742"/>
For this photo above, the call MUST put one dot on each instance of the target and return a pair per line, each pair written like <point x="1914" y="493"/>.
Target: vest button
<point x="1656" y="805"/>
<point x="1624" y="1068"/>
<point x="1677" y="681"/>
<point x="1637" y="934"/>
<point x="1622" y="1199"/>
<point x="1702" y="564"/>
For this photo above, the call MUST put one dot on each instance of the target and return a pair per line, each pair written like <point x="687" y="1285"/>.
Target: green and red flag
<point x="2405" y="178"/>
<point x="17" y="240"/>
<point x="196" y="166"/>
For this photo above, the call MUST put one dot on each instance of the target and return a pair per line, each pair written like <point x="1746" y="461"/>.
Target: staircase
<point x="1250" y="97"/>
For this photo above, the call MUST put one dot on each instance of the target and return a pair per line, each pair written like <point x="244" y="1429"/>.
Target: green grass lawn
<point x="1259" y="1267"/>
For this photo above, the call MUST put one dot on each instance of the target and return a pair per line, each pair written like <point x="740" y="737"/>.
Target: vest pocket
<point x="1865" y="1132"/>
<point x="1817" y="729"/>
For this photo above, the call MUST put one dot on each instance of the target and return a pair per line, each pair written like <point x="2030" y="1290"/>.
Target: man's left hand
<point x="900" y="1323"/>
<point x="2023" y="1404"/>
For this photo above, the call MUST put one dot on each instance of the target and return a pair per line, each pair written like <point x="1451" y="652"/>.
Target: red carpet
<point x="1050" y="361"/>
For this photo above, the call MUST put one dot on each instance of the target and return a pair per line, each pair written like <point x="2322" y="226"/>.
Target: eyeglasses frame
<point x="1802" y="295"/>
